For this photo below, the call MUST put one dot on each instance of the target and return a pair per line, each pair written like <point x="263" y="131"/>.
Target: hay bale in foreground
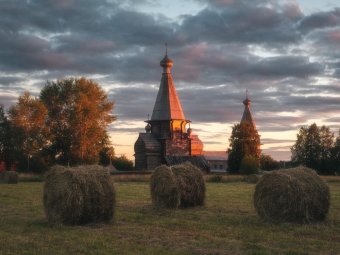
<point x="292" y="195"/>
<point x="191" y="184"/>
<point x="78" y="195"/>
<point x="181" y="185"/>
<point x="164" y="188"/>
<point x="9" y="177"/>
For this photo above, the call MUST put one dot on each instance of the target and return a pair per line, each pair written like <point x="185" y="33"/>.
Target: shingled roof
<point x="167" y="106"/>
<point x="150" y="142"/>
<point x="247" y="116"/>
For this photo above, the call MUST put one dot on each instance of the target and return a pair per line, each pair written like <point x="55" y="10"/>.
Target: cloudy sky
<point x="286" y="53"/>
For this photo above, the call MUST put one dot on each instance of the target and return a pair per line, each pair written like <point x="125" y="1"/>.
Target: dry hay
<point x="191" y="184"/>
<point x="164" y="188"/>
<point x="78" y="195"/>
<point x="9" y="177"/>
<point x="181" y="185"/>
<point x="292" y="195"/>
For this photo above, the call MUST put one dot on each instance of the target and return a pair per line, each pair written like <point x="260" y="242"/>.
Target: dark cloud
<point x="320" y="20"/>
<point x="245" y="23"/>
<point x="285" y="66"/>
<point x="82" y="36"/>
<point x="134" y="102"/>
<point x="6" y="81"/>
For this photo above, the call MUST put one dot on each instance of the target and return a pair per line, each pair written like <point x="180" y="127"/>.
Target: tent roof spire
<point x="167" y="105"/>
<point x="247" y="116"/>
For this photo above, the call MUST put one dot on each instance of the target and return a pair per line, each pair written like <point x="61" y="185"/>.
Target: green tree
<point x="7" y="140"/>
<point x="3" y="133"/>
<point x="79" y="113"/>
<point x="122" y="163"/>
<point x="11" y="140"/>
<point x="336" y="155"/>
<point x="267" y="163"/>
<point x="326" y="147"/>
<point x="313" y="148"/>
<point x="244" y="141"/>
<point x="106" y="155"/>
<point x="249" y="165"/>
<point x="29" y="115"/>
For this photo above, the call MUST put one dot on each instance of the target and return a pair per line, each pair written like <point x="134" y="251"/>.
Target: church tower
<point x="247" y="116"/>
<point x="247" y="119"/>
<point x="168" y="138"/>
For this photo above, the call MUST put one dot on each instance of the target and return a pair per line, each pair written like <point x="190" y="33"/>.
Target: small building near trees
<point x="218" y="160"/>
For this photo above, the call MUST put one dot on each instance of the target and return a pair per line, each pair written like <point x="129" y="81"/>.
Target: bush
<point x="31" y="177"/>
<point x="9" y="177"/>
<point x="249" y="165"/>
<point x="215" y="178"/>
<point x="267" y="163"/>
<point x="181" y="185"/>
<point x="292" y="195"/>
<point x="78" y="195"/>
<point x="252" y="178"/>
<point x="122" y="163"/>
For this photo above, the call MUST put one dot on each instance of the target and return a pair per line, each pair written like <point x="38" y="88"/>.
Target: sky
<point x="285" y="53"/>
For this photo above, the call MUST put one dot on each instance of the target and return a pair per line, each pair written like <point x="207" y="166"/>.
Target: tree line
<point x="315" y="147"/>
<point x="66" y="124"/>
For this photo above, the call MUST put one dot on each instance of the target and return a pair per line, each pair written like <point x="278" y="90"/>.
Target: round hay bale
<point x="164" y="188"/>
<point x="79" y="195"/>
<point x="292" y="195"/>
<point x="191" y="184"/>
<point x="9" y="177"/>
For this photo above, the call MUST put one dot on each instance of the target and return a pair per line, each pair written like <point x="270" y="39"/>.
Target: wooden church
<point x="168" y="138"/>
<point x="247" y="116"/>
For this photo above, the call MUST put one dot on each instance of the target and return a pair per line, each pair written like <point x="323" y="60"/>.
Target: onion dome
<point x="166" y="62"/>
<point x="247" y="102"/>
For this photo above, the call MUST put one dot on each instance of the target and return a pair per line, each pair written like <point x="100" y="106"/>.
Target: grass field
<point x="227" y="224"/>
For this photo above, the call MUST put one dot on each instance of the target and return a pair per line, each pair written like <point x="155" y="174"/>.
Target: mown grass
<point x="222" y="178"/>
<point x="227" y="224"/>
